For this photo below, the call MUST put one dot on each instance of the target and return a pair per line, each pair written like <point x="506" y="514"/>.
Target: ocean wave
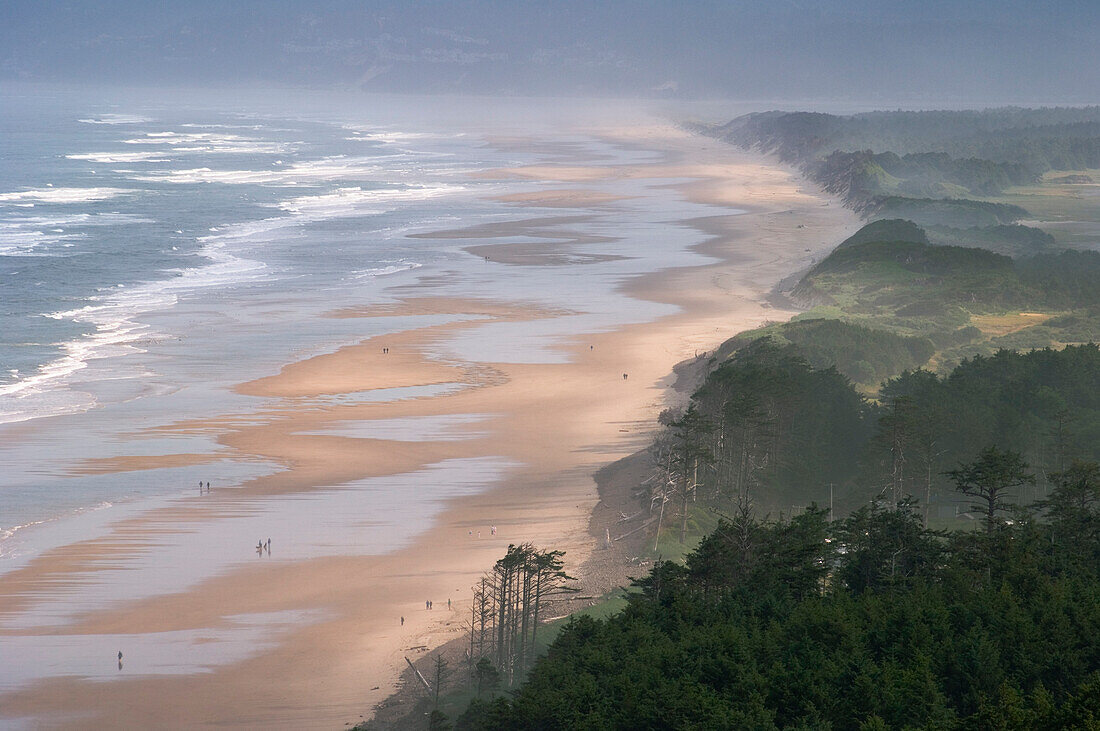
<point x="116" y="119"/>
<point x="396" y="267"/>
<point x="62" y="195"/>
<point x="9" y="548"/>
<point x="208" y="175"/>
<point x="198" y="125"/>
<point x="373" y="134"/>
<point x="323" y="170"/>
<point x="259" y="148"/>
<point x="24" y="242"/>
<point x="117" y="331"/>
<point x="338" y="203"/>
<point x="209" y="142"/>
<point x="351" y="201"/>
<point x="21" y="235"/>
<point x="72" y="219"/>
<point x="119" y="157"/>
<point x="246" y="230"/>
<point x="396" y="143"/>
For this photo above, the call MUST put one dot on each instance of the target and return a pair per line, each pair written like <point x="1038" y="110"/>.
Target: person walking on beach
<point x="208" y="488"/>
<point x="402" y="621"/>
<point x="268" y="546"/>
<point x="492" y="530"/>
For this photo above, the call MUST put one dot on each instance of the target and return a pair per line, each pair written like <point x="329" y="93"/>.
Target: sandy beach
<point x="334" y="644"/>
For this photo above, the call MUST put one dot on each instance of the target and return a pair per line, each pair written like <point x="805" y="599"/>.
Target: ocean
<point x="159" y="247"/>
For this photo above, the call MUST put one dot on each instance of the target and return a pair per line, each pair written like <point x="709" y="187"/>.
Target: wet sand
<point x="549" y="426"/>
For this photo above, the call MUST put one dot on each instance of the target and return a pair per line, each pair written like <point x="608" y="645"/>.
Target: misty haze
<point x="504" y="365"/>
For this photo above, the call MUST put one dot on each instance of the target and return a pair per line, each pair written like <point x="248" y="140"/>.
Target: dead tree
<point x="507" y="607"/>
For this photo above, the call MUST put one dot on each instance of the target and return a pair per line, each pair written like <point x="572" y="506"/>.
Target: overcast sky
<point x="874" y="50"/>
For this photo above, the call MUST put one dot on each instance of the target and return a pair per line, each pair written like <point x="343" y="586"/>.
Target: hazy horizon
<point x="856" y="51"/>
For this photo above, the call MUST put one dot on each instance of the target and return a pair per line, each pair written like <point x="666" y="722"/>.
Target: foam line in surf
<point x="62" y="195"/>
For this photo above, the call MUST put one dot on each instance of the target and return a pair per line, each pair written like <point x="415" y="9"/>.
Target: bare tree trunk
<point x="525" y="609"/>
<point x="535" y="613"/>
<point x="683" y="508"/>
<point x="660" y="518"/>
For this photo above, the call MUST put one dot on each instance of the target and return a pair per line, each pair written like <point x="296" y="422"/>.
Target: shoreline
<point x="556" y="423"/>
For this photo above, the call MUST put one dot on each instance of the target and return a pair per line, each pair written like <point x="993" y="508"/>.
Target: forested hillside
<point x="1064" y="135"/>
<point x="871" y="622"/>
<point x="927" y="166"/>
<point x="965" y="301"/>
<point x="877" y="619"/>
<point x="768" y="426"/>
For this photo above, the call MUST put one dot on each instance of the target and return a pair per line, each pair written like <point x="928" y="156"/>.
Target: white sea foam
<point x="313" y="171"/>
<point x="119" y="157"/>
<point x="210" y="142"/>
<point x="373" y="134"/>
<point x="117" y="332"/>
<point x="19" y="242"/>
<point x="62" y="195"/>
<point x="401" y="266"/>
<point x="258" y="148"/>
<point x="116" y="119"/>
<point x="199" y="125"/>
<point x="113" y="318"/>
<point x="396" y="143"/>
<point x="21" y="235"/>
<point x="355" y="201"/>
<point x="10" y="548"/>
<point x="207" y="175"/>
